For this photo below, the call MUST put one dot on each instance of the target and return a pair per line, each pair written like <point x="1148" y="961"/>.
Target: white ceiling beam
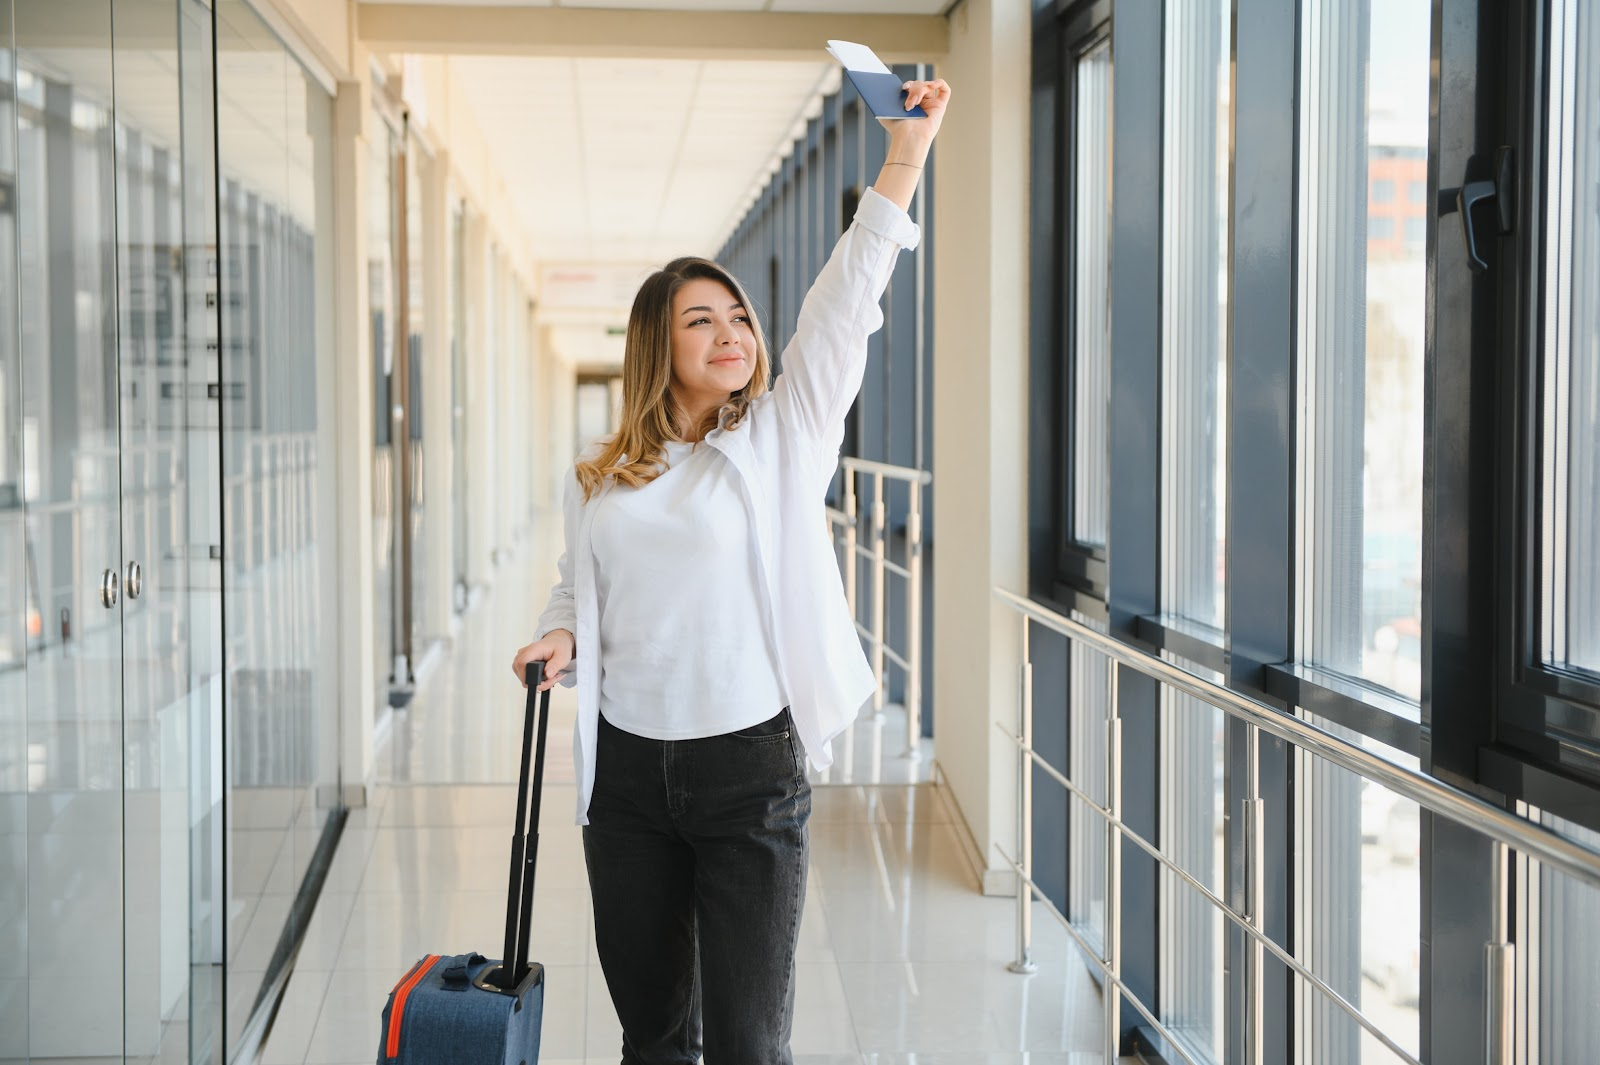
<point x="706" y="35"/>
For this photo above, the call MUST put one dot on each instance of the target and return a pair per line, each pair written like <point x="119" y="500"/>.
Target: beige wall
<point x="980" y="414"/>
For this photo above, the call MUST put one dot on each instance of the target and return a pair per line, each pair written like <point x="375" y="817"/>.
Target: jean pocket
<point x="772" y="730"/>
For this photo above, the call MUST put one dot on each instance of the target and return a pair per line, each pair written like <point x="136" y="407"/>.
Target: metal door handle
<point x="108" y="589"/>
<point x="135" y="582"/>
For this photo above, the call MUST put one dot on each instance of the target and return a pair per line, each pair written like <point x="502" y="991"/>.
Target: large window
<point x="1194" y="295"/>
<point x="1091" y="292"/>
<point x="1570" y="443"/>
<point x="1362" y="315"/>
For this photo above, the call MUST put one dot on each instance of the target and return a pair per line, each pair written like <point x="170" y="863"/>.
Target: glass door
<point x="65" y="730"/>
<point x="165" y="423"/>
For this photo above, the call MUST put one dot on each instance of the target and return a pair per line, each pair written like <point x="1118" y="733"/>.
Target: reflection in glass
<point x="416" y="555"/>
<point x="1087" y="752"/>
<point x="1364" y="122"/>
<point x="1091" y="296"/>
<point x="1191" y="831"/>
<point x="166" y="699"/>
<point x="1571" y="445"/>
<point x="383" y="310"/>
<point x="63" y="739"/>
<point x="273" y="127"/>
<point x="1194" y="322"/>
<point x="1358" y="908"/>
<point x="19" y="606"/>
<point x="1568" y="967"/>
<point x="458" y="404"/>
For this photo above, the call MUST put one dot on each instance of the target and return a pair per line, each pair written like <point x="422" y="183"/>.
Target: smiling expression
<point x="713" y="344"/>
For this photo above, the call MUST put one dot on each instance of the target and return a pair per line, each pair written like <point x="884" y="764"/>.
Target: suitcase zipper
<point x="402" y="991"/>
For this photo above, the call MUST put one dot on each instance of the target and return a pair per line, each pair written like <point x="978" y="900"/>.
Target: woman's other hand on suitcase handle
<point x="556" y="651"/>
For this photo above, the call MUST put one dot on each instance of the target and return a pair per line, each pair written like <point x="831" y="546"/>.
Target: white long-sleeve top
<point x="784" y="455"/>
<point x="685" y="650"/>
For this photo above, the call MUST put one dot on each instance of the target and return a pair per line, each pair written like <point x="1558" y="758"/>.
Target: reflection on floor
<point x="901" y="960"/>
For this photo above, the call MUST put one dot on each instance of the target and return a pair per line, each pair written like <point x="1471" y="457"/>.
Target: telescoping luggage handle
<point x="525" y="843"/>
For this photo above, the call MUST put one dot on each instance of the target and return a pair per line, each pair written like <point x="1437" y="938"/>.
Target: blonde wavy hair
<point x="651" y="415"/>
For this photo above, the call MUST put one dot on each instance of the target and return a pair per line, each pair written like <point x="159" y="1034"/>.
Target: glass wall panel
<point x="1089" y="684"/>
<point x="1191" y="967"/>
<point x="273" y="128"/>
<point x="1567" y="971"/>
<point x="66" y="765"/>
<point x="1358" y="911"/>
<point x="1194" y="320"/>
<point x="19" y="606"/>
<point x="458" y="402"/>
<point x="162" y="388"/>
<point x="1570" y="486"/>
<point x="1364" y="123"/>
<point x="417" y="337"/>
<point x="1091" y="295"/>
<point x="382" y="285"/>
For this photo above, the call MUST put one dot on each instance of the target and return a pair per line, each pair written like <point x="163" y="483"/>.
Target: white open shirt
<point x="784" y="454"/>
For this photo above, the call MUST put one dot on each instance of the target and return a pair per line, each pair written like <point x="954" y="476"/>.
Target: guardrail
<point x="848" y="519"/>
<point x="1508" y="832"/>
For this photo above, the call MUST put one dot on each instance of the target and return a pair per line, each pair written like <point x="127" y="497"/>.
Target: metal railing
<point x="1507" y="832"/>
<point x="848" y="520"/>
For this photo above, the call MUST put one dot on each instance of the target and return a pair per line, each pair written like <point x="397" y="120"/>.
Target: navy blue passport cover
<point x="883" y="94"/>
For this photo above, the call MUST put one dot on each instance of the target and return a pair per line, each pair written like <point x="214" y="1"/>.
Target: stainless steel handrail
<point x="849" y="519"/>
<point x="1558" y="852"/>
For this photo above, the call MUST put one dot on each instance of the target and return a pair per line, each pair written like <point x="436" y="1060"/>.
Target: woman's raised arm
<point x="909" y="141"/>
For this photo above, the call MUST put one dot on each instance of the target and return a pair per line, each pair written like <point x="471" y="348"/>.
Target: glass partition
<point x="64" y="744"/>
<point x="273" y="126"/>
<point x="162" y="375"/>
<point x="20" y="609"/>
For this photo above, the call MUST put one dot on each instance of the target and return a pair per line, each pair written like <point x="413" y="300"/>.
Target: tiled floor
<point x="901" y="960"/>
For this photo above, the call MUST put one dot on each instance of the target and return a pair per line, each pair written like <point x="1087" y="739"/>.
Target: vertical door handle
<point x="108" y="589"/>
<point x="1501" y="188"/>
<point x="135" y="581"/>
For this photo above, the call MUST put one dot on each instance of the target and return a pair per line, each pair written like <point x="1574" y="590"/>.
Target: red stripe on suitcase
<point x="402" y="991"/>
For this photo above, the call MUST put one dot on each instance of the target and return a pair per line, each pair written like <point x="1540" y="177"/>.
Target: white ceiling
<point x="636" y="160"/>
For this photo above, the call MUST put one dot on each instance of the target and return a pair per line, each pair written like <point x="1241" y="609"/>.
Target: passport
<point x="880" y="87"/>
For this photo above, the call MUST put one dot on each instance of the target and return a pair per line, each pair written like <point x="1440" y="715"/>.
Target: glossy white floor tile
<point x="901" y="961"/>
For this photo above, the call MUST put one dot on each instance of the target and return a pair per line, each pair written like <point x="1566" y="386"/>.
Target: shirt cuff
<point x="880" y="214"/>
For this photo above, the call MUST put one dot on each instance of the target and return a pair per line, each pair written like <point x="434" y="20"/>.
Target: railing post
<point x="1113" y="990"/>
<point x="914" y="622"/>
<point x="852" y="522"/>
<point x="1025" y="963"/>
<point x="1255" y="837"/>
<point x="879" y="520"/>
<point x="1500" y="967"/>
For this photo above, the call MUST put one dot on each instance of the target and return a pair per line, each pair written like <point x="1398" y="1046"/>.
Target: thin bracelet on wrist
<point x="891" y="162"/>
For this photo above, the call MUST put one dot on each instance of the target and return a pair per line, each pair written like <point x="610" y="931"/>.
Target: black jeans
<point x="697" y="856"/>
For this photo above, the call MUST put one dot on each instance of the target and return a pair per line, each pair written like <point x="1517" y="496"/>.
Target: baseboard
<point x="997" y="882"/>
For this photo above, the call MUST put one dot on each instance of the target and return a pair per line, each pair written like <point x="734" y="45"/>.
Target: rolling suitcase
<point x="463" y="1009"/>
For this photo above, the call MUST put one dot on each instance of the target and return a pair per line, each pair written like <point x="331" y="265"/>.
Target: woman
<point x="701" y="606"/>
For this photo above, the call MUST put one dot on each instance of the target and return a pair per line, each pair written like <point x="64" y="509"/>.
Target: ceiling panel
<point x="617" y="159"/>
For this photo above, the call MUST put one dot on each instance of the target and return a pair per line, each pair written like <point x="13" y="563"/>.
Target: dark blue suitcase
<point x="463" y="1009"/>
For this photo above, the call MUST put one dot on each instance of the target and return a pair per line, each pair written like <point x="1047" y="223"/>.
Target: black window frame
<point x="1066" y="572"/>
<point x="1543" y="745"/>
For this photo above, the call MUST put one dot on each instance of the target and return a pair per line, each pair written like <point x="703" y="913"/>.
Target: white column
<point x="980" y="412"/>
<point x="438" y="449"/>
<point x="353" y="432"/>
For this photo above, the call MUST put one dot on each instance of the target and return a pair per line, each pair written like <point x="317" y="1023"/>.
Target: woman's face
<point x="713" y="344"/>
